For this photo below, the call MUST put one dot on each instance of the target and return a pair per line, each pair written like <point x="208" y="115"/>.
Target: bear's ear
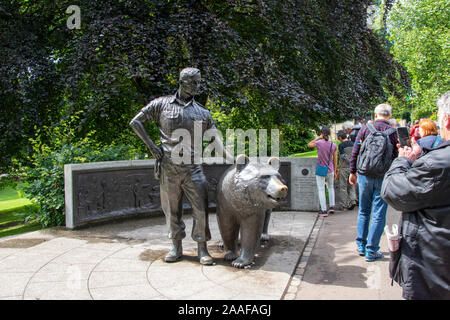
<point x="241" y="161"/>
<point x="274" y="162"/>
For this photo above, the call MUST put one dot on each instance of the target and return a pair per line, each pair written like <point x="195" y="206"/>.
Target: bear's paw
<point x="230" y="255"/>
<point x="241" y="262"/>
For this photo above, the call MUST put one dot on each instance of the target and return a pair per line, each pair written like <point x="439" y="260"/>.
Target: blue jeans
<point x="370" y="201"/>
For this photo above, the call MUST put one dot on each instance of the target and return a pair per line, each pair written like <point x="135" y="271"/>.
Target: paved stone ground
<point x="307" y="258"/>
<point x="124" y="260"/>
<point x="332" y="270"/>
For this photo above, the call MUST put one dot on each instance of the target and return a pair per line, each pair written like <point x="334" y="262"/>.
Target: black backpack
<point x="354" y="133"/>
<point x="375" y="156"/>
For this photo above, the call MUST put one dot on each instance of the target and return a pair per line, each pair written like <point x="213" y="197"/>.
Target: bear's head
<point x="259" y="184"/>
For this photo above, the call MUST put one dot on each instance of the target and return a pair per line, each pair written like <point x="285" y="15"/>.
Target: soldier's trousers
<point x="189" y="180"/>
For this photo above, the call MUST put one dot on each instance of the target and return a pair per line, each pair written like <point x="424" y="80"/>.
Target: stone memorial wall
<point x="106" y="190"/>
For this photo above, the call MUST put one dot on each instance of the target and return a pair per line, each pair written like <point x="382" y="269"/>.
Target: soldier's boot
<point x="175" y="253"/>
<point x="203" y="254"/>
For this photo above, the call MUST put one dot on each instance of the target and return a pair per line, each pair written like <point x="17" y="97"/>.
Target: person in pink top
<point x="327" y="156"/>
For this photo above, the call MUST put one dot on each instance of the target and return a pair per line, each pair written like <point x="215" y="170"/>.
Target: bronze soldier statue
<point x="180" y="111"/>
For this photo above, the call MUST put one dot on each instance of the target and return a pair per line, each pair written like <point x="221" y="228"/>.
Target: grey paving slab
<point x="60" y="272"/>
<point x="217" y="290"/>
<point x="6" y="252"/>
<point x="116" y="279"/>
<point x="25" y="262"/>
<point x="13" y="283"/>
<point x="12" y="298"/>
<point x="336" y="272"/>
<point x="124" y="260"/>
<point x="121" y="265"/>
<point x="61" y="290"/>
<point x="126" y="292"/>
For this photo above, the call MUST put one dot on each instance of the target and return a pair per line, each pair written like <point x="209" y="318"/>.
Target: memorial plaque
<point x="304" y="185"/>
<point x="108" y="193"/>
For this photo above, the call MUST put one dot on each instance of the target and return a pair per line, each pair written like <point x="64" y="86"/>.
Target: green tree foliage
<point x="30" y="86"/>
<point x="284" y="64"/>
<point x="420" y="33"/>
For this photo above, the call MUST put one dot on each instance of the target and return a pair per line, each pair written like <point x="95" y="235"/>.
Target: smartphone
<point x="403" y="136"/>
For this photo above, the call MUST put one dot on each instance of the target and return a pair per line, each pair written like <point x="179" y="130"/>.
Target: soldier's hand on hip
<point x="156" y="152"/>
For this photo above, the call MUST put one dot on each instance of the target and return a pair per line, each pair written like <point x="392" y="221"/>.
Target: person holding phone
<point x="404" y="137"/>
<point x="418" y="185"/>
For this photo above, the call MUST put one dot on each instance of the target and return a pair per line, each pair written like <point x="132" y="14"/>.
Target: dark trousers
<point x="189" y="180"/>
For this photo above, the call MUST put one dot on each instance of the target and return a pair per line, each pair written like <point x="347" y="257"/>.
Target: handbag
<point x="323" y="170"/>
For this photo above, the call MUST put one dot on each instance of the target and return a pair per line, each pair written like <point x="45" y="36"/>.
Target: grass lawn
<point x="312" y="153"/>
<point x="12" y="207"/>
<point x="10" y="199"/>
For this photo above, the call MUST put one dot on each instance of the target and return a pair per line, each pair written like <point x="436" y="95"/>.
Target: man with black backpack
<point x="374" y="150"/>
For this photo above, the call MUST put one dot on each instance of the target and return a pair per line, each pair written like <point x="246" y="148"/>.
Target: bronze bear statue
<point x="245" y="192"/>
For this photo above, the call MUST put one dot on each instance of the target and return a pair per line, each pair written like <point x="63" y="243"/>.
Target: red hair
<point x="428" y="127"/>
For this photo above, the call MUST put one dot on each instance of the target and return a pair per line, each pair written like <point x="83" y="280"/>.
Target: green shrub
<point x="43" y="181"/>
<point x="295" y="140"/>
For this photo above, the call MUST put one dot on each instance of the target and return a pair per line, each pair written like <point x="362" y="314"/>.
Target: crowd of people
<point x="371" y="170"/>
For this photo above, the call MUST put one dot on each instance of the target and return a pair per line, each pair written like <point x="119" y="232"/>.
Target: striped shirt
<point x="380" y="125"/>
